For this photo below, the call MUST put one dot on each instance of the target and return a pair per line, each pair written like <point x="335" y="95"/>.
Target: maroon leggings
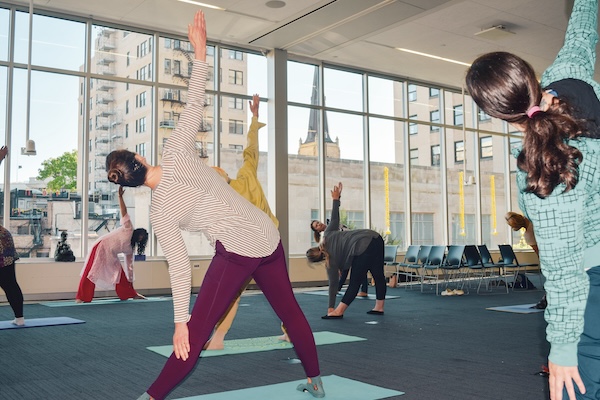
<point x="226" y="274"/>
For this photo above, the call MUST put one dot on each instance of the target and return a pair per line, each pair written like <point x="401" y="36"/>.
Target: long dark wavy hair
<point x="505" y="86"/>
<point x="139" y="238"/>
<point x="123" y="168"/>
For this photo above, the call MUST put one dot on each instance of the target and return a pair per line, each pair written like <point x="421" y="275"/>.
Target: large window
<point x="369" y="131"/>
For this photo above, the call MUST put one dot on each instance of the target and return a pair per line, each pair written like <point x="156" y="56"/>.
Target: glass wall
<point x="375" y="131"/>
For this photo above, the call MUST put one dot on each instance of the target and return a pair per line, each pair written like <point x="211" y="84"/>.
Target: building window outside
<point x="167" y="66"/>
<point x="167" y="43"/>
<point x="458" y="115"/>
<point x="434" y="92"/>
<point x="142" y="99"/>
<point x="128" y="60"/>
<point x="422" y="229"/>
<point x="434" y="118"/>
<point x="141" y="125"/>
<point x="397" y="229"/>
<point x="413" y="128"/>
<point x="141" y="149"/>
<point x="486" y="147"/>
<point x="412" y="92"/>
<point x="126" y="106"/>
<point x="236" y="103"/>
<point x="483" y="117"/>
<point x="236" y="77"/>
<point x="126" y="130"/>
<point x="414" y="156"/>
<point x="435" y="155"/>
<point x="236" y="55"/>
<point x="236" y="147"/>
<point x="236" y="127"/>
<point x="459" y="151"/>
<point x="176" y="67"/>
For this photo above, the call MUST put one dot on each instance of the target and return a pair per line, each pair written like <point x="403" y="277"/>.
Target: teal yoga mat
<point x="37" y="322"/>
<point x="518" y="309"/>
<point x="71" y="303"/>
<point x="254" y="345"/>
<point x="370" y="296"/>
<point x="336" y="388"/>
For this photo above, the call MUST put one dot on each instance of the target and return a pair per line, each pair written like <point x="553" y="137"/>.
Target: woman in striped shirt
<point x="189" y="195"/>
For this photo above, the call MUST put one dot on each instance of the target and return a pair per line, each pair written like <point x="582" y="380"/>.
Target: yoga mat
<point x="254" y="345"/>
<point x="519" y="309"/>
<point x="70" y="303"/>
<point x="336" y="388"/>
<point x="35" y="322"/>
<point x="370" y="297"/>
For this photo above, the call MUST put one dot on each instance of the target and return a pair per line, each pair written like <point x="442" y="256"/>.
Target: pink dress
<point x="106" y="267"/>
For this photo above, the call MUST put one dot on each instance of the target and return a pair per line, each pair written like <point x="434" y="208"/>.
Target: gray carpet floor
<point x="430" y="347"/>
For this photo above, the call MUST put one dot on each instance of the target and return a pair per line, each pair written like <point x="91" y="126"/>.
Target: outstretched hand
<point x="336" y="193"/>
<point x="121" y="191"/>
<point x="197" y="36"/>
<point x="254" y="103"/>
<point x="564" y="378"/>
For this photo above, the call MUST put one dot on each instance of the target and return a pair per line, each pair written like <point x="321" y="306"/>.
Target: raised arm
<point x="122" y="205"/>
<point x="184" y="135"/>
<point x="336" y="194"/>
<point x="250" y="165"/>
<point x="577" y="57"/>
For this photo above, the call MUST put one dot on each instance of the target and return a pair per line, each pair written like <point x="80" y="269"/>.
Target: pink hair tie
<point x="533" y="110"/>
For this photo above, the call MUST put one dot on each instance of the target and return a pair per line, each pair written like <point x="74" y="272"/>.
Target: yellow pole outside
<point x="386" y="180"/>
<point x="493" y="195"/>
<point x="461" y="195"/>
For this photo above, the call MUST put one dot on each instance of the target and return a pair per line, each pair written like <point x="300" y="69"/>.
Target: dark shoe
<point x="315" y="388"/>
<point x="375" y="312"/>
<point x="332" y="317"/>
<point x="541" y="305"/>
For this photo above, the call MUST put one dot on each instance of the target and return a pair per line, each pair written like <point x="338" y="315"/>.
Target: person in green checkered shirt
<point x="559" y="187"/>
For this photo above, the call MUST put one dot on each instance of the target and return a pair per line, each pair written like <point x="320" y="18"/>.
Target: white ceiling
<point x="358" y="33"/>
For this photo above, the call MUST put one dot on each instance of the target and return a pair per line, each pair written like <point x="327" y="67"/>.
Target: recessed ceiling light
<point x="432" y="56"/>
<point x="197" y="3"/>
<point x="275" y="4"/>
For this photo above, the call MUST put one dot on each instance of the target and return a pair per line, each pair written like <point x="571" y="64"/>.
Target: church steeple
<point x="313" y="120"/>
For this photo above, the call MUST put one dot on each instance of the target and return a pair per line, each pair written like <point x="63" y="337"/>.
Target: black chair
<point x="410" y="257"/>
<point x="389" y="258"/>
<point x="511" y="263"/>
<point x="454" y="267"/>
<point x="476" y="268"/>
<point x="430" y="271"/>
<point x="421" y="260"/>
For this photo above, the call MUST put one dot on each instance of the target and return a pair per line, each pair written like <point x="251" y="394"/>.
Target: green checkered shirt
<point x="567" y="225"/>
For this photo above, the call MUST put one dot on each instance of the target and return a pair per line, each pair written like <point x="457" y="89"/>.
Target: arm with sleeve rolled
<point x="577" y="57"/>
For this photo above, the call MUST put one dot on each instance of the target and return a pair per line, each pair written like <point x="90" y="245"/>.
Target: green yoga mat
<point x="254" y="345"/>
<point x="370" y="297"/>
<point x="71" y="303"/>
<point x="336" y="388"/>
<point x="518" y="309"/>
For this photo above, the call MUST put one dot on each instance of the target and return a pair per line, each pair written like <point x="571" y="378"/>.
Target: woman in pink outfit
<point x="102" y="267"/>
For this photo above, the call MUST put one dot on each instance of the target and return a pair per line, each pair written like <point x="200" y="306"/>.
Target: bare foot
<point x="362" y="294"/>
<point x="284" y="338"/>
<point x="78" y="301"/>
<point x="214" y="345"/>
<point x="140" y="297"/>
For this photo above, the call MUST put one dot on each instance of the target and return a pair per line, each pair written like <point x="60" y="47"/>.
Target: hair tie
<point x="533" y="110"/>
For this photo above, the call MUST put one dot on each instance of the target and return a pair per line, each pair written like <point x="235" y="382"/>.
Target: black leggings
<point x="8" y="283"/>
<point x="370" y="260"/>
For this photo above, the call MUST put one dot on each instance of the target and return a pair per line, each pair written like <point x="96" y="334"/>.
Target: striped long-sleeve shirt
<point x="193" y="197"/>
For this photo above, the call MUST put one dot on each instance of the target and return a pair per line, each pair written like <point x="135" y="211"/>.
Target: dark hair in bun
<point x="123" y="169"/>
